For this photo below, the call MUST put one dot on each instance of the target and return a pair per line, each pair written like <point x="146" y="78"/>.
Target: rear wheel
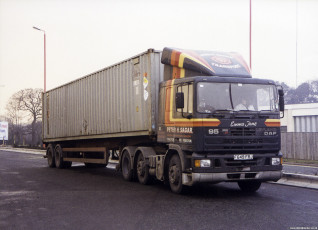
<point x="142" y="170"/>
<point x="59" y="162"/>
<point x="249" y="186"/>
<point x="126" y="169"/>
<point x="175" y="174"/>
<point x="50" y="156"/>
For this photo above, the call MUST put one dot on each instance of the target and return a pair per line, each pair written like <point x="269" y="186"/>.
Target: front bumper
<point x="194" y="178"/>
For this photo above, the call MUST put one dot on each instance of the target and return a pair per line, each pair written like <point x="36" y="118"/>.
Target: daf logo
<point x="270" y="133"/>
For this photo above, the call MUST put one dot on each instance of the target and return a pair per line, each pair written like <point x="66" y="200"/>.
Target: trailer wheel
<point x="249" y="186"/>
<point x="142" y="170"/>
<point x="59" y="163"/>
<point x="126" y="169"/>
<point x="50" y="156"/>
<point x="175" y="174"/>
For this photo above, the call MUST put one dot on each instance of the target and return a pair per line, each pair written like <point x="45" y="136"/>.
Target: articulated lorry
<point x="179" y="116"/>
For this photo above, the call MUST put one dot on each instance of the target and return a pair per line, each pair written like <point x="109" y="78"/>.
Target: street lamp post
<point x="44" y="57"/>
<point x="250" y="34"/>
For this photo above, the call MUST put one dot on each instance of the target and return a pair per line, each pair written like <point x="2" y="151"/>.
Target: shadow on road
<point x="108" y="175"/>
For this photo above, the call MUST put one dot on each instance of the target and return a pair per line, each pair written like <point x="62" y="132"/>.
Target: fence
<point x="302" y="146"/>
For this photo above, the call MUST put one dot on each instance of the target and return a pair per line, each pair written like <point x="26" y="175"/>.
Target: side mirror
<point x="180" y="100"/>
<point x="281" y="99"/>
<point x="281" y="103"/>
<point x="281" y="92"/>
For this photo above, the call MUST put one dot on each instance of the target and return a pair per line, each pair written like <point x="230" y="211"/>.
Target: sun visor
<point x="210" y="63"/>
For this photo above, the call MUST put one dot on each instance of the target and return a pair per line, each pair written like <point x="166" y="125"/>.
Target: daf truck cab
<point x="226" y="126"/>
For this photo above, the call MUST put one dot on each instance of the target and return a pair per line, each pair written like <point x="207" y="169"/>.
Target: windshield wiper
<point x="267" y="111"/>
<point x="245" y="110"/>
<point x="222" y="110"/>
<point x="219" y="112"/>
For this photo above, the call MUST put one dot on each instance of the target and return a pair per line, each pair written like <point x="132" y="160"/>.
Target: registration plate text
<point x="243" y="157"/>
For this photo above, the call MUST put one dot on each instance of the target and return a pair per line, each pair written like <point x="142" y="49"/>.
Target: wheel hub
<point x="174" y="173"/>
<point x="141" y="168"/>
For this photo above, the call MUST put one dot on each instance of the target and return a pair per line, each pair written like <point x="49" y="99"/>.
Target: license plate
<point x="239" y="157"/>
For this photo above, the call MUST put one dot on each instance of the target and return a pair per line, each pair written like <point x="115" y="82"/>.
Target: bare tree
<point x="14" y="117"/>
<point x="26" y="102"/>
<point x="13" y="111"/>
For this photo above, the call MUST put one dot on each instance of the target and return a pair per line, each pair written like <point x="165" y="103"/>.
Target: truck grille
<point x="230" y="162"/>
<point x="242" y="139"/>
<point x="242" y="132"/>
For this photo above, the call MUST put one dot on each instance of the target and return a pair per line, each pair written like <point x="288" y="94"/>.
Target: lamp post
<point x="250" y="34"/>
<point x="296" y="43"/>
<point x="44" y="57"/>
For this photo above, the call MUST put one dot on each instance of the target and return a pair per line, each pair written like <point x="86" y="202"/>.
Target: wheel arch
<point x="145" y="151"/>
<point x="173" y="149"/>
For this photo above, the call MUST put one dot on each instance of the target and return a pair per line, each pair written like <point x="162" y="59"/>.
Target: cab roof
<point x="209" y="63"/>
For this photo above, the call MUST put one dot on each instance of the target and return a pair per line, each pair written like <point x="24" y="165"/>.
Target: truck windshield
<point x="236" y="97"/>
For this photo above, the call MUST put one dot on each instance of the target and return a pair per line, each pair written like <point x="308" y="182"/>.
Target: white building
<point x="300" y="118"/>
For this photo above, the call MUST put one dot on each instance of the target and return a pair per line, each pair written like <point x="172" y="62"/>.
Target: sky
<point x="84" y="36"/>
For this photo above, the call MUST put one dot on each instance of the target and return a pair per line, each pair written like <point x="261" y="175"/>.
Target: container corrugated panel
<point x="120" y="100"/>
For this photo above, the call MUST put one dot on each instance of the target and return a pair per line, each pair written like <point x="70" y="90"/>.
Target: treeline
<point x="305" y="93"/>
<point x="24" y="115"/>
<point x="21" y="135"/>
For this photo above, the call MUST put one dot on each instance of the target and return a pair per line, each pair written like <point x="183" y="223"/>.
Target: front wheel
<point x="175" y="174"/>
<point x="249" y="186"/>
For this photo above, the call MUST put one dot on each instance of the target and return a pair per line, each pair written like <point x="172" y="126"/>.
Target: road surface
<point x="33" y="196"/>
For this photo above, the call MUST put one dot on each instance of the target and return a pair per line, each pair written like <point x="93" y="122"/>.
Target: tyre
<point x="59" y="163"/>
<point x="126" y="169"/>
<point x="249" y="186"/>
<point x="142" y="170"/>
<point x="175" y="174"/>
<point x="50" y="156"/>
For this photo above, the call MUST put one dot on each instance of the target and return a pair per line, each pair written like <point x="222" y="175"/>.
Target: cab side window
<point x="187" y="90"/>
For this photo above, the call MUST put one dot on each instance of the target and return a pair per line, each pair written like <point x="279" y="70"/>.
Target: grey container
<point x="117" y="101"/>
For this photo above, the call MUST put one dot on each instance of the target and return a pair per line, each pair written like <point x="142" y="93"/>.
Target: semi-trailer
<point x="179" y="116"/>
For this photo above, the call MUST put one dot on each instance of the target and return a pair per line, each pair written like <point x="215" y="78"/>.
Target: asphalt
<point x="305" y="176"/>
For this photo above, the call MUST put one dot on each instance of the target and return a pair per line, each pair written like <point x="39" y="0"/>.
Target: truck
<point x="183" y="117"/>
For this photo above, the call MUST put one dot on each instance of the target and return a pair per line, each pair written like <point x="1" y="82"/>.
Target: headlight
<point x="202" y="163"/>
<point x="276" y="161"/>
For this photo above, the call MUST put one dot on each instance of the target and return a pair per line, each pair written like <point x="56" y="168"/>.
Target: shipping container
<point x="116" y="101"/>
